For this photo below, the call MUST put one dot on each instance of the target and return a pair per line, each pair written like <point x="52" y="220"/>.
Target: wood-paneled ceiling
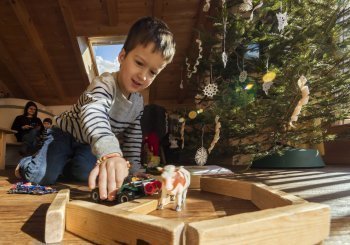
<point x="40" y="58"/>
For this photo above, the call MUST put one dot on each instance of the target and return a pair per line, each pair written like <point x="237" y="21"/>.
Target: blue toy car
<point x="29" y="188"/>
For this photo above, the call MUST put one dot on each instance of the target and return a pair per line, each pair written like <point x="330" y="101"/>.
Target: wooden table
<point x="3" y="132"/>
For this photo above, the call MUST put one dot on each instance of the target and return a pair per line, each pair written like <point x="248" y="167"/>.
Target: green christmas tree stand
<point x="293" y="158"/>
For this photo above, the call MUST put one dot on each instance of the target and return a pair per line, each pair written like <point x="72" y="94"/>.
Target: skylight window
<point x="106" y="57"/>
<point x="105" y="53"/>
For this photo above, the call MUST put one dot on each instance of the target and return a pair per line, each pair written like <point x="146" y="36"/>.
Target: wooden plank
<point x="106" y="225"/>
<point x="143" y="205"/>
<point x="33" y="35"/>
<point x="55" y="217"/>
<point x="112" y="9"/>
<point x="227" y="187"/>
<point x="307" y="223"/>
<point x="266" y="197"/>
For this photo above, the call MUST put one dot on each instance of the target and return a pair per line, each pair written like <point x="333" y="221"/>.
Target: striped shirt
<point x="104" y="118"/>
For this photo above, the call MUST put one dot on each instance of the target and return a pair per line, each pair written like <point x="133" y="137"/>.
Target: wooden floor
<point x="22" y="217"/>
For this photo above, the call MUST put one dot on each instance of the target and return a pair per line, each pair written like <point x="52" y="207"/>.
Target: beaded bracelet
<point x="104" y="158"/>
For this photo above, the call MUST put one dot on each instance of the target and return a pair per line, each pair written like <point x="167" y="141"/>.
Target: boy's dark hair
<point x="48" y="120"/>
<point x="150" y="29"/>
<point x="29" y="104"/>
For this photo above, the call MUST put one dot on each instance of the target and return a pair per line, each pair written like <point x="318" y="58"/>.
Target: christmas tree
<point x="274" y="72"/>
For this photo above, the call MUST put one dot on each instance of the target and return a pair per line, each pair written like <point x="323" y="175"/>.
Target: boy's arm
<point x="132" y="144"/>
<point x="94" y="117"/>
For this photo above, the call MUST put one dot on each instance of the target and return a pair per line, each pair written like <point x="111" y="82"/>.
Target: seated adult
<point x="28" y="127"/>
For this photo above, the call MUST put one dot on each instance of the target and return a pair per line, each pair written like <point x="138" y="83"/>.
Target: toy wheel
<point x="149" y="188"/>
<point x="125" y="197"/>
<point x="158" y="184"/>
<point x="95" y="195"/>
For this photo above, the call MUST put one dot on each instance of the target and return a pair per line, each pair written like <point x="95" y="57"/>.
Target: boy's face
<point x="139" y="68"/>
<point x="47" y="125"/>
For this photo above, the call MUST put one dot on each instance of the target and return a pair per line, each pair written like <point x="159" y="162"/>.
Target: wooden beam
<point x="22" y="81"/>
<point x="101" y="30"/>
<point x="143" y="205"/>
<point x="33" y="35"/>
<point x="266" y="197"/>
<point x="307" y="223"/>
<point x="68" y="20"/>
<point x="55" y="222"/>
<point x="156" y="11"/>
<point x="112" y="9"/>
<point x="106" y="225"/>
<point x="228" y="187"/>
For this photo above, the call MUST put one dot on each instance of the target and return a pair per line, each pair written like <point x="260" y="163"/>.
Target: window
<point x="105" y="53"/>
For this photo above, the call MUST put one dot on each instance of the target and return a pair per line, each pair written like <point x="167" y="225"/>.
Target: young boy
<point x="47" y="124"/>
<point x="104" y="125"/>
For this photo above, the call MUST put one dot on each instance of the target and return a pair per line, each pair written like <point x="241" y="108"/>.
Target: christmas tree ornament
<point x="224" y="25"/>
<point x="192" y="114"/>
<point x="198" y="98"/>
<point x="243" y="76"/>
<point x="269" y="77"/>
<point x="206" y="6"/>
<point x="194" y="69"/>
<point x="199" y="111"/>
<point x="224" y="58"/>
<point x="210" y="90"/>
<point x="246" y="6"/>
<point x="255" y="8"/>
<point x="266" y="87"/>
<point x="173" y="142"/>
<point x="201" y="154"/>
<point x="182" y="133"/>
<point x="182" y="81"/>
<point x="217" y="134"/>
<point x="181" y="120"/>
<point x="249" y="86"/>
<point x="303" y="101"/>
<point x="282" y="19"/>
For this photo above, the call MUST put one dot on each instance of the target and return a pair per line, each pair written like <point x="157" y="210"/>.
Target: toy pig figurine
<point x="175" y="182"/>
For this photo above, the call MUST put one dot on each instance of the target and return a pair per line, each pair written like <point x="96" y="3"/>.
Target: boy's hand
<point x="111" y="174"/>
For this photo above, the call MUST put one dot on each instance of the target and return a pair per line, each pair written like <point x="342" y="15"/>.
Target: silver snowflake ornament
<point x="282" y="20"/>
<point x="201" y="156"/>
<point x="210" y="90"/>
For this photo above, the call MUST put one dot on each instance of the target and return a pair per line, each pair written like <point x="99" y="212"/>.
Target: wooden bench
<point x="3" y="132"/>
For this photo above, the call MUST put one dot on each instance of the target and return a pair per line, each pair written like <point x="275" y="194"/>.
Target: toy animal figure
<point x="175" y="182"/>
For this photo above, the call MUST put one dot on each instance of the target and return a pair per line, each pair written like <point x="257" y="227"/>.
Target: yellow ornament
<point x="181" y="119"/>
<point x="192" y="114"/>
<point x="199" y="111"/>
<point x="269" y="77"/>
<point x="249" y="86"/>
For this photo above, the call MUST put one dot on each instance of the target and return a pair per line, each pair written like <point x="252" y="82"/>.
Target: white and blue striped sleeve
<point x="94" y="116"/>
